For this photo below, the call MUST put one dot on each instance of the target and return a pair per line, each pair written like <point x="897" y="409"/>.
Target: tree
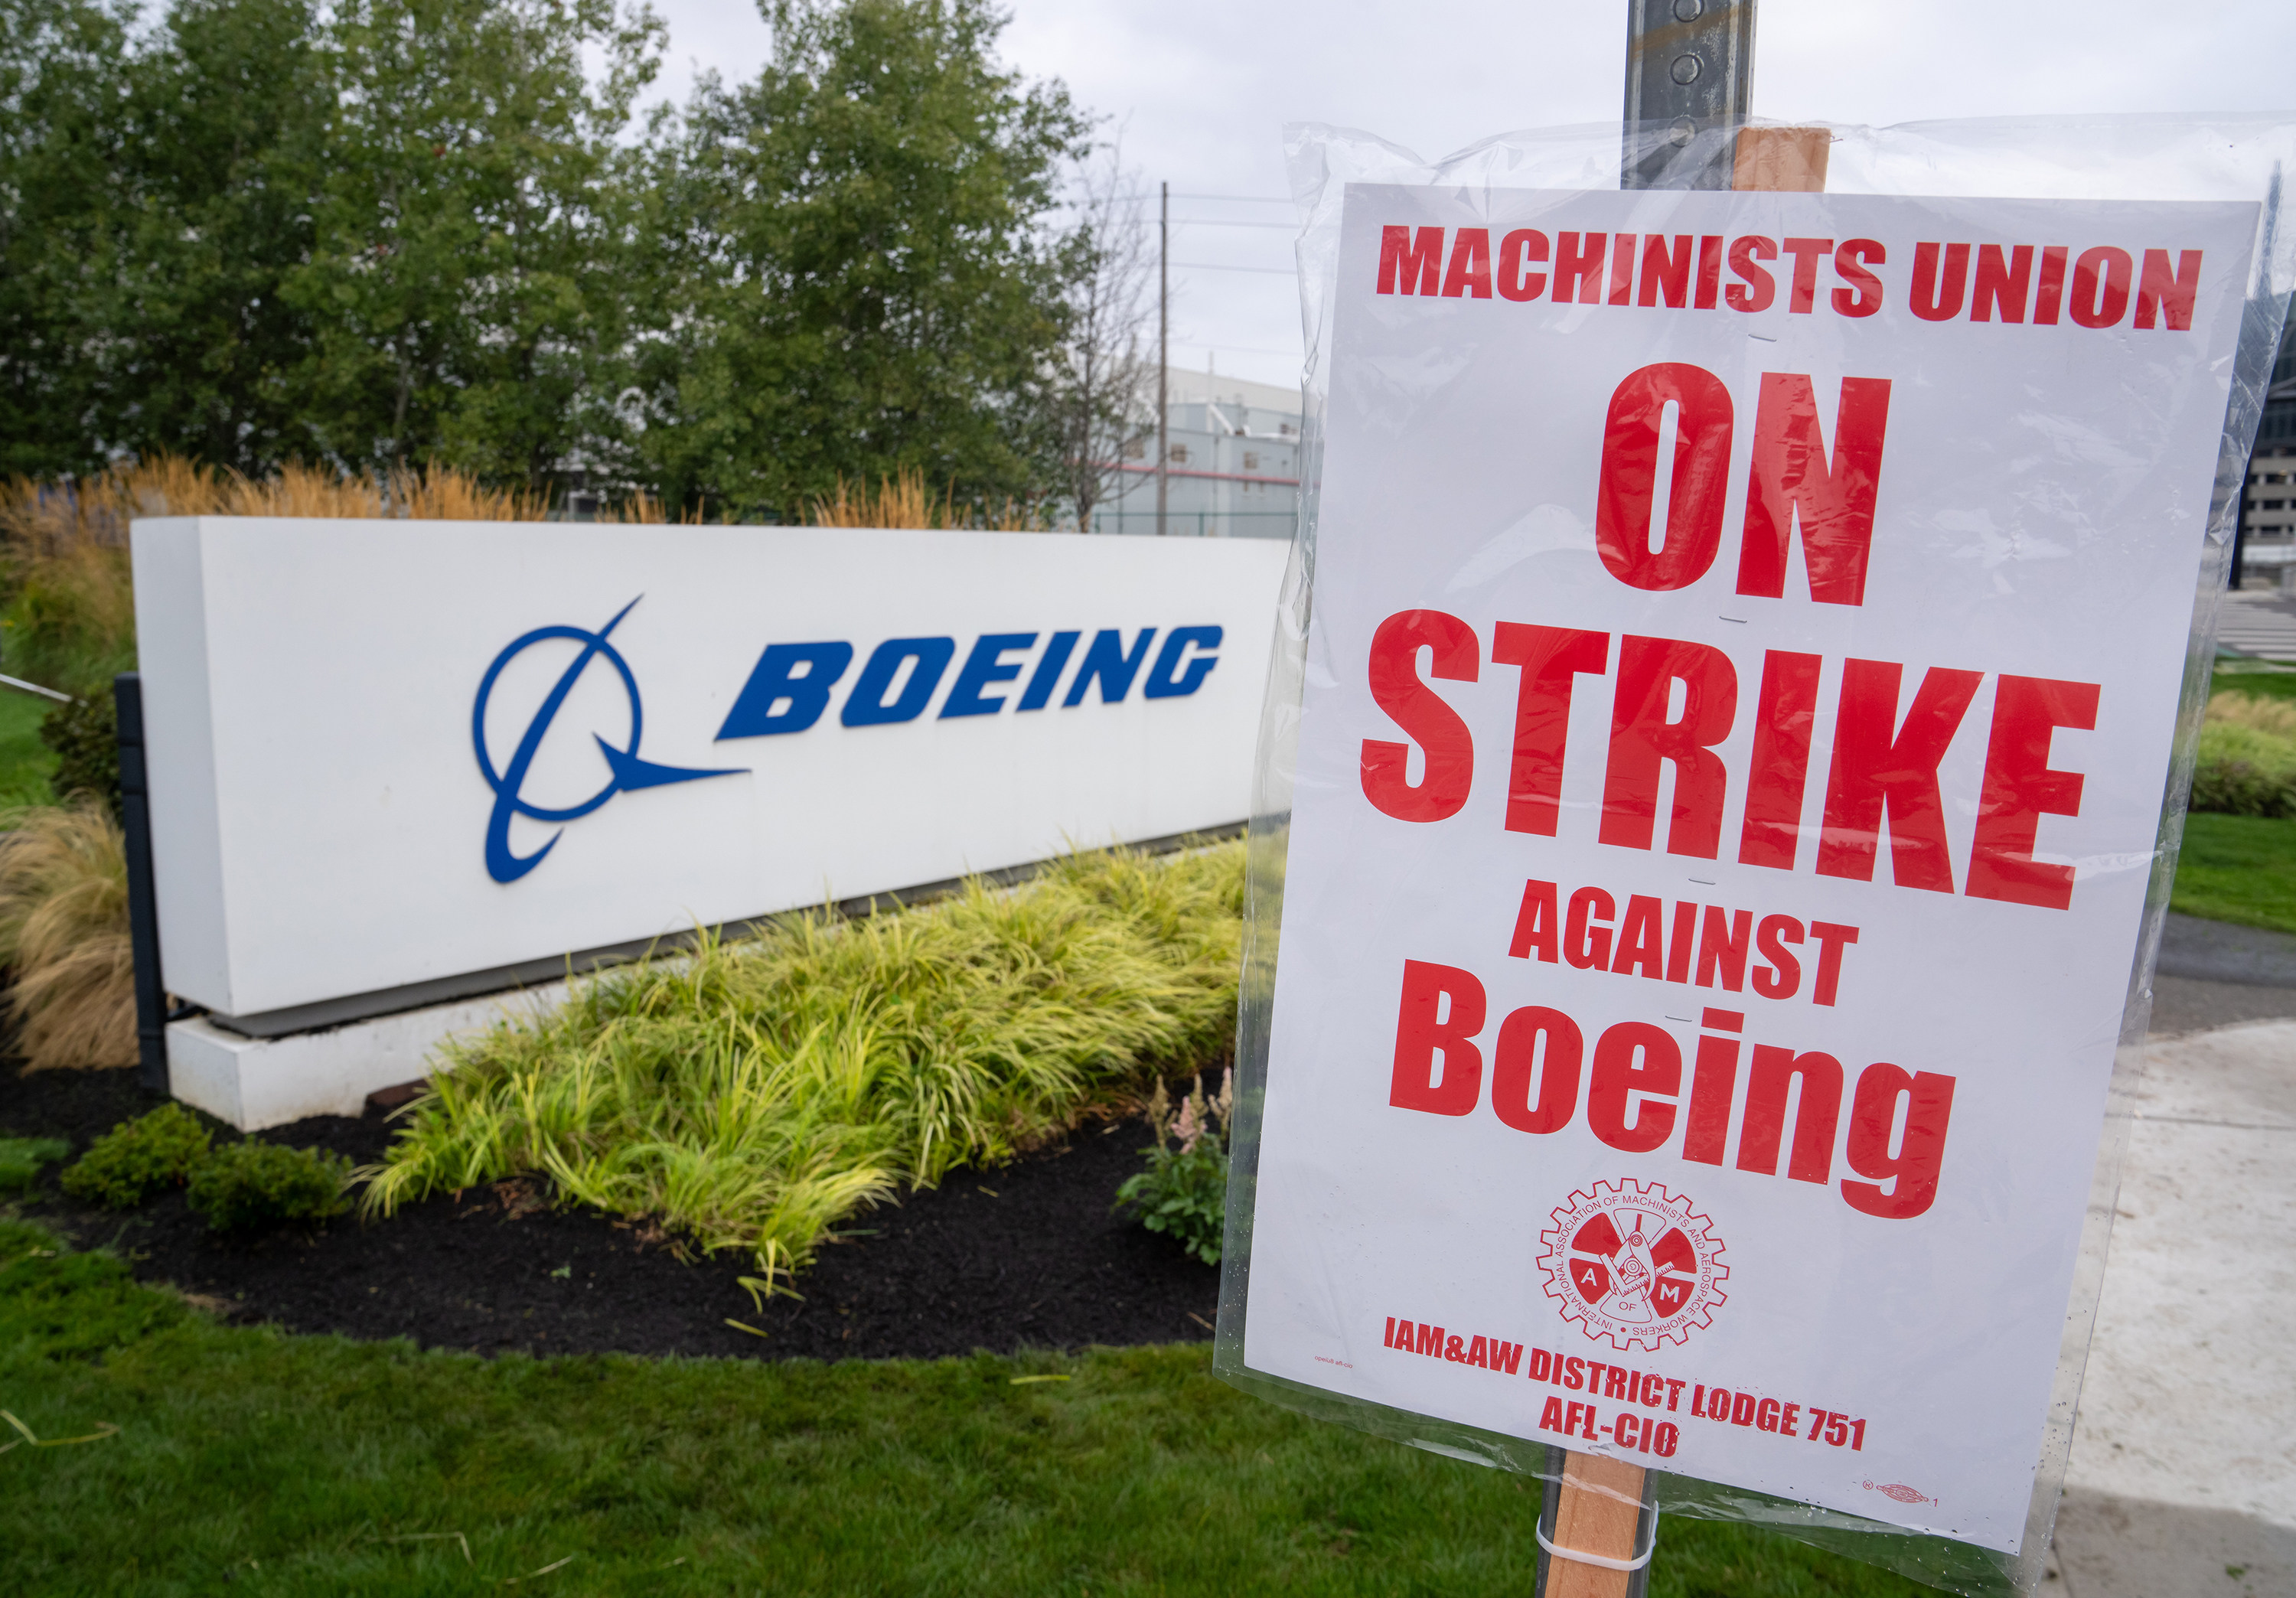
<point x="871" y="280"/>
<point x="466" y="282"/>
<point x="63" y="81"/>
<point x="1102" y="402"/>
<point x="222" y="143"/>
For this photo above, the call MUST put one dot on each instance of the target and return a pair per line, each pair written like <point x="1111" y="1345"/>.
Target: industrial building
<point x="1232" y="468"/>
<point x="2267" y="510"/>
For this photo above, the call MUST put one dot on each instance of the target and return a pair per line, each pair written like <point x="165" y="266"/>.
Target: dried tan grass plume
<point x="2257" y="712"/>
<point x="63" y="927"/>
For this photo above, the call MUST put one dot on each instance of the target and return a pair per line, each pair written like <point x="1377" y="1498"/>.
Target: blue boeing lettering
<point x="1047" y="676"/>
<point x="983" y="666"/>
<point x="1168" y="678"/>
<point x="799" y="675"/>
<point x="867" y="706"/>
<point x="790" y="688"/>
<point x="1107" y="660"/>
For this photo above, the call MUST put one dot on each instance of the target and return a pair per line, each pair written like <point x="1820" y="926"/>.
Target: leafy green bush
<point x="2247" y="758"/>
<point x="20" y="1158"/>
<point x="135" y="1159"/>
<point x="753" y="1094"/>
<point x="251" y="1186"/>
<point x="85" y="736"/>
<point x="1184" y="1191"/>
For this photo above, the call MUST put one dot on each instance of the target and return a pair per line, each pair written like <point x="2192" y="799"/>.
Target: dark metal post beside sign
<point x="143" y="906"/>
<point x="1690" y="78"/>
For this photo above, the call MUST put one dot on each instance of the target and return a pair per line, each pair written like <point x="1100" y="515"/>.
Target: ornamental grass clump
<point x="64" y="932"/>
<point x="754" y="1094"/>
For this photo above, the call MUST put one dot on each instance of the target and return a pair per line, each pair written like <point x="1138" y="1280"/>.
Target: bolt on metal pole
<point x="1163" y="339"/>
<point x="1690" y="81"/>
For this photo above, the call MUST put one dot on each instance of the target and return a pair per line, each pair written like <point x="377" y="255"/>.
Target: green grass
<point x="754" y="1094"/>
<point x="25" y="762"/>
<point x="288" y="1465"/>
<point x="2238" y="868"/>
<point x="2254" y="677"/>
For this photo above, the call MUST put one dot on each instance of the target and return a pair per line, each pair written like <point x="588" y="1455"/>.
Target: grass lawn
<point x="306" y="1464"/>
<point x="2253" y="677"/>
<point x="25" y="762"/>
<point x="2238" y="868"/>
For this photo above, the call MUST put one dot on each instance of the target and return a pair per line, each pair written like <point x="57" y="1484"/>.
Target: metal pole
<point x="2240" y="521"/>
<point x="1163" y="339"/>
<point x="1690" y="80"/>
<point x="143" y="906"/>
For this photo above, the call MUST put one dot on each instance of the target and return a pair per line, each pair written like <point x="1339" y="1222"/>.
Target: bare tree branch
<point x="1105" y="403"/>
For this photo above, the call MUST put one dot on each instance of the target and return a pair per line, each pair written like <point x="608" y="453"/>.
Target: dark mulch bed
<point x="1026" y="1256"/>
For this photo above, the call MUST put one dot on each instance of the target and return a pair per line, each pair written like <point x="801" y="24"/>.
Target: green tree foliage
<point x="380" y="231"/>
<point x="222" y="109"/>
<point x="468" y="273"/>
<point x="63" y="125"/>
<point x="862" y="237"/>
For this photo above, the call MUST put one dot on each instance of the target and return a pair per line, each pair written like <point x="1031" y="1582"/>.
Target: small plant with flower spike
<point x="1184" y="1191"/>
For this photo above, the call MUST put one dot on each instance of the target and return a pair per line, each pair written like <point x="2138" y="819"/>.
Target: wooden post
<point x="1597" y="1510"/>
<point x="1790" y="160"/>
<point x="1598" y="1499"/>
<point x="1689" y="64"/>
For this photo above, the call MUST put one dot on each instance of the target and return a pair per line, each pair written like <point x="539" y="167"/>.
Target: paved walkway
<point x="2259" y="621"/>
<point x="2183" y="1474"/>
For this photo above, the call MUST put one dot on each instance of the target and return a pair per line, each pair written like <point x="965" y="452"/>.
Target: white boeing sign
<point x="387" y="758"/>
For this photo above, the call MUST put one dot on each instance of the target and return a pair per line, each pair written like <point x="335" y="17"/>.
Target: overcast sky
<point x="1202" y="92"/>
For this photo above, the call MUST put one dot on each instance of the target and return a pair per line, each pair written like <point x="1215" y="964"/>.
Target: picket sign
<point x="1738" y="660"/>
<point x="1599" y="1508"/>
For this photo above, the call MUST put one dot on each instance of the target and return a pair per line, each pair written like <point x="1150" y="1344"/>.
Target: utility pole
<point x="1163" y="339"/>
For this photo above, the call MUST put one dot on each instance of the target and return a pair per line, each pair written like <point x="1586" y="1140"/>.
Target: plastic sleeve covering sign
<point x="1746" y="654"/>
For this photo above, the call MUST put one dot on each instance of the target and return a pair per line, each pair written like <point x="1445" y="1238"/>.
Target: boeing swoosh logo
<point x="626" y="772"/>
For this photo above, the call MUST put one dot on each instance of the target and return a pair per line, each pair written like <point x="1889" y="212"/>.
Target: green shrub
<point x="135" y="1159"/>
<point x="85" y="736"/>
<point x="251" y="1186"/>
<point x="2246" y="764"/>
<point x="20" y="1158"/>
<point x="753" y="1094"/>
<point x="1184" y="1191"/>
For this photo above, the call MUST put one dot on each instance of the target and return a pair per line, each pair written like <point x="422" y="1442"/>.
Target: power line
<point x="1223" y="222"/>
<point x="1238" y="199"/>
<point x="1235" y="349"/>
<point x="1216" y="267"/>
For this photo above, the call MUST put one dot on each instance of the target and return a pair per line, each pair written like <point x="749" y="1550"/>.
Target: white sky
<point x="1201" y="91"/>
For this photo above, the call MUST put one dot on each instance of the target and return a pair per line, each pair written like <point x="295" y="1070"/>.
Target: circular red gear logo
<point x="1635" y="1263"/>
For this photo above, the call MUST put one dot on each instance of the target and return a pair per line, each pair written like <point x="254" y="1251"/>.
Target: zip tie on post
<point x="1576" y="1558"/>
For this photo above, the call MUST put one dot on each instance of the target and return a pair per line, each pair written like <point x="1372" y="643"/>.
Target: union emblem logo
<point x="1633" y="1263"/>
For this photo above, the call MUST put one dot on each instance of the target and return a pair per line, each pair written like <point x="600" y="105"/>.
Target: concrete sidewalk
<point x="2183" y="1473"/>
